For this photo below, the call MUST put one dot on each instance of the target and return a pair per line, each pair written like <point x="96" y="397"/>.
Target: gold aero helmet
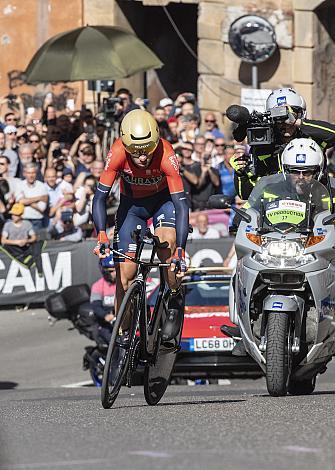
<point x="139" y="132"/>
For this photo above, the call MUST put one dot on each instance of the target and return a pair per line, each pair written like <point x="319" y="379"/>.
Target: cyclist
<point x="151" y="187"/>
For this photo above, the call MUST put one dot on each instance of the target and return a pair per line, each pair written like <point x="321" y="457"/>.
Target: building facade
<point x="304" y="29"/>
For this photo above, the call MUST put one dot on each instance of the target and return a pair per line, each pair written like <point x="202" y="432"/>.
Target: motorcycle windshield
<point x="288" y="202"/>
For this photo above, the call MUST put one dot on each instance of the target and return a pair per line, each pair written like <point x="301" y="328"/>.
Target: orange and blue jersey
<point x="162" y="173"/>
<point x="156" y="191"/>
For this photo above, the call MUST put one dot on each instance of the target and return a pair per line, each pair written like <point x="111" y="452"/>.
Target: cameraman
<point x="125" y="105"/>
<point x="267" y="157"/>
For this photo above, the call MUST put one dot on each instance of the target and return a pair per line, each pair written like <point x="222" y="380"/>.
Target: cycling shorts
<point x="133" y="213"/>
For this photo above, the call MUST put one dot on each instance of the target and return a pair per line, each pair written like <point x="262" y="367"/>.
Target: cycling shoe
<point x="172" y="325"/>
<point x="232" y="331"/>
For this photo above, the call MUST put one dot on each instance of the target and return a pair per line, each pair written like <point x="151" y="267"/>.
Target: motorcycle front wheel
<point x="278" y="353"/>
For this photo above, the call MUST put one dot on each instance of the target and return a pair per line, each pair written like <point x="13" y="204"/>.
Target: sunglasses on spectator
<point x="220" y="145"/>
<point x="210" y="120"/>
<point x="34" y="141"/>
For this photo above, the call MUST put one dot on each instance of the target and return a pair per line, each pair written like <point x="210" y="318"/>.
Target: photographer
<point x="12" y="105"/>
<point x="289" y="123"/>
<point x="83" y="201"/>
<point x="208" y="184"/>
<point x="90" y="138"/>
<point x="64" y="230"/>
<point x="190" y="171"/>
<point x="125" y="105"/>
<point x="58" y="157"/>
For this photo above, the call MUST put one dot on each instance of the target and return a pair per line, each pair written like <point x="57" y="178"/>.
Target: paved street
<point x="232" y="426"/>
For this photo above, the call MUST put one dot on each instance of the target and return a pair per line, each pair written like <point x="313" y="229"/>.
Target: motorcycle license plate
<point x="213" y="344"/>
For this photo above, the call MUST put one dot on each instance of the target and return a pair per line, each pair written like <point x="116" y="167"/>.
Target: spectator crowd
<point x="49" y="167"/>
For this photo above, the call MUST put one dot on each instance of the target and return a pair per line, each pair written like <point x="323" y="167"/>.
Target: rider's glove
<point x="102" y="249"/>
<point x="178" y="262"/>
<point x="239" y="163"/>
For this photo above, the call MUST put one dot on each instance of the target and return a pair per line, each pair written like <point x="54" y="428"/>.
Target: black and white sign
<point x="65" y="264"/>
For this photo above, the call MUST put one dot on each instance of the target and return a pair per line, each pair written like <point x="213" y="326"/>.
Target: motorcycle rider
<point x="303" y="159"/>
<point x="268" y="156"/>
<point x="103" y="291"/>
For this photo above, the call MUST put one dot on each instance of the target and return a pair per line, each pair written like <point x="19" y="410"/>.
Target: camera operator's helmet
<point x="287" y="97"/>
<point x="303" y="155"/>
<point x="139" y="132"/>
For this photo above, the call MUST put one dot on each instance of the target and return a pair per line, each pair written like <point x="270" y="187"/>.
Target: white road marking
<point x="78" y="384"/>
<point x="309" y="450"/>
<point x="65" y="463"/>
<point x="224" y="382"/>
<point x="151" y="453"/>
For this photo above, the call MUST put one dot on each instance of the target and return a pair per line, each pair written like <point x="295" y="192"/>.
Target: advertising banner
<point x="66" y="264"/>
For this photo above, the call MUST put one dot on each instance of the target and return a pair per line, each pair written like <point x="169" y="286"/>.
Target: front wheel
<point x="278" y="353"/>
<point x="117" y="359"/>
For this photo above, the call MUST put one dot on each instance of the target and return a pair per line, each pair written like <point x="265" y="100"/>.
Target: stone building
<point x="199" y="59"/>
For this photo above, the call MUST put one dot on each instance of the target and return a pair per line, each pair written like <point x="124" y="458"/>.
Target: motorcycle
<point x="72" y="304"/>
<point x="284" y="285"/>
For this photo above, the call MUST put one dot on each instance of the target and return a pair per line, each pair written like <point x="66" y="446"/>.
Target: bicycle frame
<point x="148" y="331"/>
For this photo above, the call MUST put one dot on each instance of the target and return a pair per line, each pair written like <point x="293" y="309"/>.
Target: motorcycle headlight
<point x="283" y="254"/>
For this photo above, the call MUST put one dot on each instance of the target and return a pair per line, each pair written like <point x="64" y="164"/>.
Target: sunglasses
<point x="210" y="120"/>
<point x="297" y="171"/>
<point x="35" y="141"/>
<point x="219" y="145"/>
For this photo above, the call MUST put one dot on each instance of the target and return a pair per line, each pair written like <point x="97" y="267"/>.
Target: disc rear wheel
<point x="158" y="373"/>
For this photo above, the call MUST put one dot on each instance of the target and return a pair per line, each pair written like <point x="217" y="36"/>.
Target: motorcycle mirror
<point x="219" y="201"/>
<point x="241" y="212"/>
<point x="329" y="219"/>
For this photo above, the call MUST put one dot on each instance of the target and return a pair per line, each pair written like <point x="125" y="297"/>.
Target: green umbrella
<point x="90" y="53"/>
